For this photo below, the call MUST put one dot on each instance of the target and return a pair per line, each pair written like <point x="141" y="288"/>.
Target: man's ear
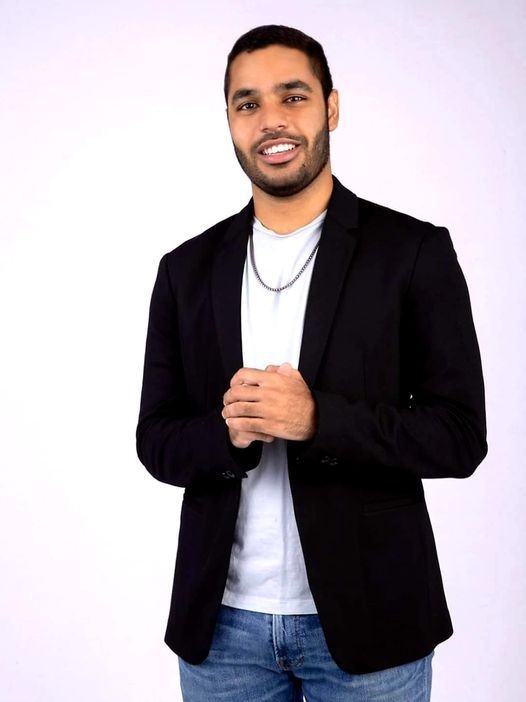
<point x="333" y="109"/>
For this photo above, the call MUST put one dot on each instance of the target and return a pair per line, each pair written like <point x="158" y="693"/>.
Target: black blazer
<point x="390" y="354"/>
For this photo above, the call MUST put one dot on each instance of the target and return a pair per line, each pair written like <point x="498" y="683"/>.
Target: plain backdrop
<point x="112" y="126"/>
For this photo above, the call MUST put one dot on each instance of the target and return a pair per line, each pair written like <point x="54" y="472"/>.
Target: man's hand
<point x="267" y="404"/>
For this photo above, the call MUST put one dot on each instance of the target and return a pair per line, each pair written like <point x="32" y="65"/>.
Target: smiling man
<point x="309" y="361"/>
<point x="278" y="162"/>
<point x="280" y="129"/>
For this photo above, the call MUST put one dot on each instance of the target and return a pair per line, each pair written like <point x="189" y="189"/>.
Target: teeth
<point x="277" y="148"/>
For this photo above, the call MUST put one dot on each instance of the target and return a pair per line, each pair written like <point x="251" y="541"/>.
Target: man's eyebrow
<point x="293" y="85"/>
<point x="279" y="87"/>
<point x="243" y="93"/>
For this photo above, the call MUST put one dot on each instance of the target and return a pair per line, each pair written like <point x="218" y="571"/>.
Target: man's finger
<point x="242" y="439"/>
<point x="251" y="424"/>
<point x="246" y="393"/>
<point x="286" y="369"/>
<point x="250" y="376"/>
<point x="242" y="409"/>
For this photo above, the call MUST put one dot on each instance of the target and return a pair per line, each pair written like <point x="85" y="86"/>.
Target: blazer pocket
<point x="392" y="503"/>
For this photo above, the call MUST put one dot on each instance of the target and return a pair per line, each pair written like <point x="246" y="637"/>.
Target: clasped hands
<point x="266" y="404"/>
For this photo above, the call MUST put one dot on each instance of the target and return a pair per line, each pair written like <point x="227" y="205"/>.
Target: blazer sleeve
<point x="441" y="431"/>
<point x="175" y="446"/>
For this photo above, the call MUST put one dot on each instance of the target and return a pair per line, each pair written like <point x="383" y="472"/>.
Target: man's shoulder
<point x="375" y="219"/>
<point x="374" y="213"/>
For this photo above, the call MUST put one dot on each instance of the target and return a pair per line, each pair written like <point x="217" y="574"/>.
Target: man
<point x="308" y="362"/>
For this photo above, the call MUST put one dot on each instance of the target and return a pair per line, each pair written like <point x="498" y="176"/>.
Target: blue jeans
<point x="284" y="657"/>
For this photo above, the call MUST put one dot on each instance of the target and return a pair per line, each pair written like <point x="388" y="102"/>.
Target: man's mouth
<point x="278" y="150"/>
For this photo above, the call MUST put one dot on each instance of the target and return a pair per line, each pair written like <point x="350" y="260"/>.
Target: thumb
<point x="286" y="368"/>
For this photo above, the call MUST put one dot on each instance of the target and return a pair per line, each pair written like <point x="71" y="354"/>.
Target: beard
<point x="289" y="184"/>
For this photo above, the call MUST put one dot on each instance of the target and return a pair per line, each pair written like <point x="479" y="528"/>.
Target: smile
<point x="279" y="152"/>
<point x="278" y="148"/>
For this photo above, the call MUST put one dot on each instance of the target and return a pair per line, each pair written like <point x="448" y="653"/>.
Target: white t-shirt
<point x="267" y="569"/>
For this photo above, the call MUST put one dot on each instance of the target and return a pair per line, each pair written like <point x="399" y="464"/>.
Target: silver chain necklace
<point x="291" y="282"/>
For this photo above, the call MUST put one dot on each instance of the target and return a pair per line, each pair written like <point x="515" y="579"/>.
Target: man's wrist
<point x="313" y="420"/>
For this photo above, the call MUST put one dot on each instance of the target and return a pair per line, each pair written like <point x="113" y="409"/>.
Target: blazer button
<point x="228" y="474"/>
<point x="333" y="462"/>
<point x="325" y="459"/>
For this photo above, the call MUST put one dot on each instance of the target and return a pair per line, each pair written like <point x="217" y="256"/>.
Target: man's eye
<point x="295" y="98"/>
<point x="247" y="106"/>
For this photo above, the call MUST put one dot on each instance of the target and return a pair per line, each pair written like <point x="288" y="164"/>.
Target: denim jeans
<point x="284" y="658"/>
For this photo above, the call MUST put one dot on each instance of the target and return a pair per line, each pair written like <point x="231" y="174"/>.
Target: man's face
<point x="279" y="121"/>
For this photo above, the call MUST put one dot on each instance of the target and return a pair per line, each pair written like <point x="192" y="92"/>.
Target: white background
<point x="112" y="135"/>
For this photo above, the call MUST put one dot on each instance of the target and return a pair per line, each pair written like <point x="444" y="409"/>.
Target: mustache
<point x="277" y="135"/>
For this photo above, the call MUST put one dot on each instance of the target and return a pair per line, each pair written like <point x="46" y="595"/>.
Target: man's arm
<point x="177" y="448"/>
<point x="443" y="433"/>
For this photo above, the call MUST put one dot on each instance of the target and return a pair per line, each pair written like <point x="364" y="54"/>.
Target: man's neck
<point x="286" y="214"/>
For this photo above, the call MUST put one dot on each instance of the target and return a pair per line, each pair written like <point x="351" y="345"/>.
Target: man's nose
<point x="272" y="118"/>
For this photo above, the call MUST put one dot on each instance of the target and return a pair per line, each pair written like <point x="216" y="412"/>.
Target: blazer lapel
<point x="337" y="245"/>
<point x="227" y="278"/>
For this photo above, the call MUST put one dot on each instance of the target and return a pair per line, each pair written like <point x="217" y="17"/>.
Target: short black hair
<point x="270" y="34"/>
